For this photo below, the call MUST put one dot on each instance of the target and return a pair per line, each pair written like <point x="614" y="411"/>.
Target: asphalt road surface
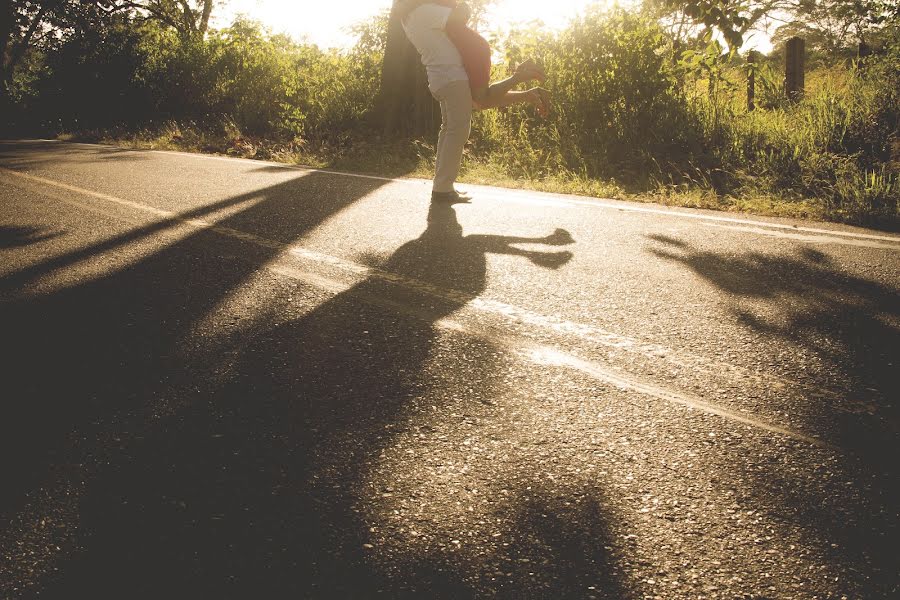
<point x="234" y="379"/>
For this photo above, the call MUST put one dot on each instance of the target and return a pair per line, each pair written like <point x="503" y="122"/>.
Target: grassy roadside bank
<point x="416" y="159"/>
<point x="633" y="116"/>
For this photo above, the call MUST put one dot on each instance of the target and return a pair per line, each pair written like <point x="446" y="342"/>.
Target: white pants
<point x="456" y="122"/>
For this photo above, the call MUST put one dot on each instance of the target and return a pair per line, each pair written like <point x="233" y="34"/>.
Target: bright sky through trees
<point x="325" y="22"/>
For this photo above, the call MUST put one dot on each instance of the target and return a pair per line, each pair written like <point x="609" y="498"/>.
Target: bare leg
<point x="538" y="97"/>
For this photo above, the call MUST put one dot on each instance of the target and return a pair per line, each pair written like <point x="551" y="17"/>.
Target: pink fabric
<point x="474" y="50"/>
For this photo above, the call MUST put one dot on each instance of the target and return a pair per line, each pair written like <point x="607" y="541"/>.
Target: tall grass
<point x="641" y="120"/>
<point x="628" y="118"/>
<point x="823" y="148"/>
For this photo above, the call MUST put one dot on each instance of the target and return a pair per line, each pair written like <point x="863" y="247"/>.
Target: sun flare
<point x="326" y="23"/>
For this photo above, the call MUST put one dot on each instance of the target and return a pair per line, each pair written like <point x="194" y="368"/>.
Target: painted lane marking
<point x="544" y="355"/>
<point x="562" y="200"/>
<point x="624" y="381"/>
<point x="750" y="225"/>
<point x="548" y="356"/>
<point x="809" y="238"/>
<point x="99" y="195"/>
<point x="513" y="314"/>
<point x="530" y="197"/>
<point x="563" y="328"/>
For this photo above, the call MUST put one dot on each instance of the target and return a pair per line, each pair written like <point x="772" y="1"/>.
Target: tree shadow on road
<point x="111" y="349"/>
<point x="849" y="324"/>
<point x="32" y="154"/>
<point x="162" y="457"/>
<point x="16" y="237"/>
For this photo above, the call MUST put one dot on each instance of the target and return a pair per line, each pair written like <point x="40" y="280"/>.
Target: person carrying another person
<point x="458" y="63"/>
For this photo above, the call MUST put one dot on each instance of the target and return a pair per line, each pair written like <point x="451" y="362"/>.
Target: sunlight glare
<point x="554" y="15"/>
<point x="326" y="23"/>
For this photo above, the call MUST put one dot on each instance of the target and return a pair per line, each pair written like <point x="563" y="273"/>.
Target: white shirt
<point x="424" y="27"/>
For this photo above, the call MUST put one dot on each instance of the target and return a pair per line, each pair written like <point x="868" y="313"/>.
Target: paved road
<point x="226" y="378"/>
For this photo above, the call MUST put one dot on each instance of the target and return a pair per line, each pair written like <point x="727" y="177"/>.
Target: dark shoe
<point x="453" y="197"/>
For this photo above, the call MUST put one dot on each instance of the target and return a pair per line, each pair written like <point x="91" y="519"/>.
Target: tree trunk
<point x="188" y="20"/>
<point x="204" y="18"/>
<point x="7" y="21"/>
<point x="9" y="34"/>
<point x="13" y="50"/>
<point x="407" y="106"/>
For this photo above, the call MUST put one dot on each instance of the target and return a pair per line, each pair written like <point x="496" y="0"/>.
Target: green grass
<point x="630" y="120"/>
<point x="828" y="157"/>
<point x="416" y="160"/>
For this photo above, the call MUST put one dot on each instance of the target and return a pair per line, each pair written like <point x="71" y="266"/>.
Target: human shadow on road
<point x="336" y="384"/>
<point x="849" y="325"/>
<point x="273" y="469"/>
<point x="162" y="457"/>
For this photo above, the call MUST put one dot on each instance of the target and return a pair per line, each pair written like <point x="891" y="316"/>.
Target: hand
<point x="560" y="237"/>
<point x="529" y="70"/>
<point x="540" y="98"/>
<point x="461" y="14"/>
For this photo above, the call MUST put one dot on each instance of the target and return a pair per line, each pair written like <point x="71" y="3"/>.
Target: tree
<point x="20" y="22"/>
<point x="831" y="22"/>
<point x="834" y="25"/>
<point x="405" y="104"/>
<point x="699" y="18"/>
<point x="190" y="18"/>
<point x="24" y="23"/>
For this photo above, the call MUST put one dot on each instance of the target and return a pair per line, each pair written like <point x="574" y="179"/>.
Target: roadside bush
<point x="90" y="80"/>
<point x="834" y="146"/>
<point x="618" y="109"/>
<point x="627" y="113"/>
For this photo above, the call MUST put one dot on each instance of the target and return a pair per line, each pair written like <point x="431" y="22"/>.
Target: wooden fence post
<point x="794" y="76"/>
<point x="751" y="81"/>
<point x="864" y="51"/>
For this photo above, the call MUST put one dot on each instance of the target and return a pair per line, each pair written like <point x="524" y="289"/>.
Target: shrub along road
<point x="227" y="378"/>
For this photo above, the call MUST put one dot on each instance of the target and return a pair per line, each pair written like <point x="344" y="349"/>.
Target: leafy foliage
<point x="634" y="104"/>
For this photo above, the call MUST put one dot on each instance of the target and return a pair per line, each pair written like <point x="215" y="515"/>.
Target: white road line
<point x="544" y="355"/>
<point x="545" y="198"/>
<point x="755" y="226"/>
<point x="99" y="195"/>
<point x="630" y="382"/>
<point x="548" y="199"/>
<point x="809" y="238"/>
<point x="514" y="314"/>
